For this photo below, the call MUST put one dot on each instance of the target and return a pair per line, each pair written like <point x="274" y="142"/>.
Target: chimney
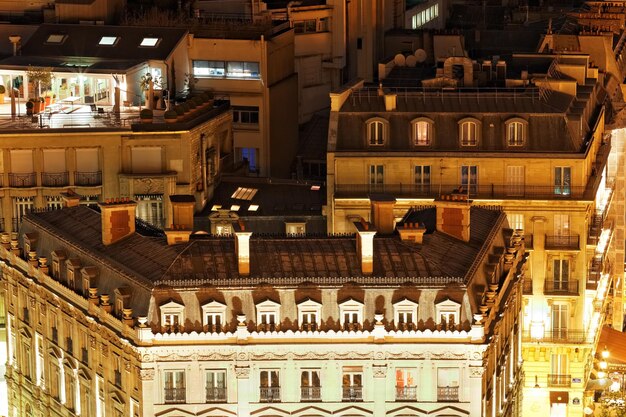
<point x="182" y="219"/>
<point x="501" y="70"/>
<point x="365" y="246"/>
<point x="412" y="232"/>
<point x="118" y="219"/>
<point x="453" y="215"/>
<point x="390" y="102"/>
<point x="15" y="40"/>
<point x="382" y="213"/>
<point x="70" y="198"/>
<point x="242" y="248"/>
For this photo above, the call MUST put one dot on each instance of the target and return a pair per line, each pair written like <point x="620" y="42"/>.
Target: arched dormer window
<point x="469" y="131"/>
<point x="377" y="131"/>
<point x="422" y="131"/>
<point x="516" y="131"/>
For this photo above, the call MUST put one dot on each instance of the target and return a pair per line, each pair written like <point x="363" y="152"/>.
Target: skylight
<point x="150" y="42"/>
<point x="216" y="207"/>
<point x="56" y="38"/>
<point x="253" y="207"/>
<point x="235" y="207"/>
<point x="242" y="193"/>
<point x="108" y="40"/>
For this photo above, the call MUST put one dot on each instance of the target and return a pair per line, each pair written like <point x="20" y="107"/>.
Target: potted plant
<point x="3" y="90"/>
<point x="170" y="116"/>
<point x="146" y="116"/>
<point x="40" y="77"/>
<point x="30" y="104"/>
<point x="180" y="112"/>
<point x="191" y="104"/>
<point x="48" y="98"/>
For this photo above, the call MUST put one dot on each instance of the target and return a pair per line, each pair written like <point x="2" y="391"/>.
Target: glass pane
<point x="315" y="378"/>
<point x="356" y="379"/>
<point x="275" y="382"/>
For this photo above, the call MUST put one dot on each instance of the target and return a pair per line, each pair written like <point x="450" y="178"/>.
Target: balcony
<point x="88" y="179"/>
<point x="527" y="286"/>
<point x="352" y="393"/>
<point x="174" y="395"/>
<point x="406" y="393"/>
<point x="308" y="327"/>
<point x="23" y="180"/>
<point x="556" y="336"/>
<point x="270" y="394"/>
<point x="55" y="179"/>
<point x="571" y="242"/>
<point x="562" y="381"/>
<point x="310" y="393"/>
<point x="447" y="394"/>
<point x="216" y="394"/>
<point x="552" y="287"/>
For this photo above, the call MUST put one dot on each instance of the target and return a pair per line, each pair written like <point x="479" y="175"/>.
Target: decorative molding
<point x="476" y="372"/>
<point x="242" y="372"/>
<point x="146" y="374"/>
<point x="379" y="371"/>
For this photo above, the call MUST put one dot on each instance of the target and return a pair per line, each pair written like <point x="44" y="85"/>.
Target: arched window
<point x="376" y="132"/>
<point x="422" y="131"/>
<point x="469" y="132"/>
<point x="516" y="132"/>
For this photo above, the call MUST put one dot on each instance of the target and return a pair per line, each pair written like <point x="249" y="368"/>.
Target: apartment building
<point x="537" y="148"/>
<point x="104" y="320"/>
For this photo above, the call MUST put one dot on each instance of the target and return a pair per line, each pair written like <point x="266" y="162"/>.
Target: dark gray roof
<point x="69" y="64"/>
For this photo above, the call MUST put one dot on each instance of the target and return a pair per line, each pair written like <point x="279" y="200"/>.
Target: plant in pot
<point x="180" y="112"/>
<point x="40" y="77"/>
<point x="146" y="116"/>
<point x="170" y="116"/>
<point x="30" y="104"/>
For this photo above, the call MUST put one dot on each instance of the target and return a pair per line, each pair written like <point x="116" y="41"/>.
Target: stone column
<point x="148" y="387"/>
<point x="244" y="390"/>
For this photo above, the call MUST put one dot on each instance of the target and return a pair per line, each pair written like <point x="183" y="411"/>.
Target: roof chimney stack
<point x="242" y="248"/>
<point x="453" y="215"/>
<point x="365" y="246"/>
<point x="182" y="219"/>
<point x="118" y="219"/>
<point x="382" y="213"/>
<point x="70" y="198"/>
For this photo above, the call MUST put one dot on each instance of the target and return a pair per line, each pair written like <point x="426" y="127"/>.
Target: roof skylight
<point x="253" y="207"/>
<point x="108" y="40"/>
<point x="150" y="42"/>
<point x="242" y="193"/>
<point x="56" y="38"/>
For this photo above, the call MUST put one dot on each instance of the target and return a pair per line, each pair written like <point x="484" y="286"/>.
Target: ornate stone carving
<point x="148" y="186"/>
<point x="379" y="371"/>
<point x="476" y="372"/>
<point x="242" y="372"/>
<point x="146" y="374"/>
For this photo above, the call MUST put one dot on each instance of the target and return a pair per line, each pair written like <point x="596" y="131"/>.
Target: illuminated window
<point x="406" y="386"/>
<point x="515" y="133"/>
<point x="376" y="132"/>
<point x="516" y="221"/>
<point x="422" y="177"/>
<point x="562" y="180"/>
<point x="108" y="40"/>
<point x="469" y="130"/>
<point x="149" y="42"/>
<point x="422" y="132"/>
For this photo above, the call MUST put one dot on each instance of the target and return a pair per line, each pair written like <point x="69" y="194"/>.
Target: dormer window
<point x="172" y="316"/>
<point x="516" y="132"/>
<point x="422" y="131"/>
<point x="469" y="132"/>
<point x="376" y="132"/>
<point x="267" y="315"/>
<point x="351" y="314"/>
<point x="309" y="315"/>
<point x="405" y="314"/>
<point x="447" y="314"/>
<point x="213" y="316"/>
<point x="149" y="42"/>
<point x="73" y="270"/>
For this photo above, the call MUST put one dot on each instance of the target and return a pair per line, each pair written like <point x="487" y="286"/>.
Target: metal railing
<point x="352" y="393"/>
<point x="88" y="178"/>
<point x="557" y="380"/>
<point x="553" y="287"/>
<point x="55" y="179"/>
<point x="562" y="242"/>
<point x="406" y="393"/>
<point x="556" y="336"/>
<point x="310" y="393"/>
<point x="527" y="286"/>
<point x="175" y="395"/>
<point x="270" y="394"/>
<point x="309" y="327"/>
<point x="215" y="394"/>
<point x="23" y="180"/>
<point x="447" y="394"/>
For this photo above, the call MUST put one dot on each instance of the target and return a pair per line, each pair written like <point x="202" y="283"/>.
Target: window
<point x="267" y="315"/>
<point x="146" y="159"/>
<point x="561" y="225"/>
<point x="562" y="180"/>
<point x="422" y="132"/>
<point x="88" y="167"/>
<point x="310" y="386"/>
<point x="468" y="132"/>
<point x="447" y="384"/>
<point x="406" y="387"/>
<point x="310" y="25"/>
<point x="560" y="320"/>
<point x="227" y="69"/>
<point x="270" y="386"/>
<point x="376" y="132"/>
<point x="150" y="209"/>
<point x="248" y="156"/>
<point x="174" y="390"/>
<point x="149" y="42"/>
<point x="309" y="315"/>
<point x="108" y="40"/>
<point x="516" y="221"/>
<point x="469" y="178"/>
<point x="421" y="177"/>
<point x="54" y="202"/>
<point x="172" y="316"/>
<point x="560" y="273"/>
<point x="421" y="18"/>
<point x="214" y="314"/>
<point x="215" y="386"/>
<point x="377" y="175"/>
<point x="21" y="206"/>
<point x="515" y="133"/>
<point x="352" y="385"/>
<point x="447" y="313"/>
<point x="515" y="180"/>
<point x="70" y="388"/>
<point x="405" y="314"/>
<point x="27" y="359"/>
<point x="351" y="314"/>
<point x="56" y="38"/>
<point x="85" y="397"/>
<point x="235" y="69"/>
<point x="56" y="378"/>
<point x="295" y="229"/>
<point x="246" y="115"/>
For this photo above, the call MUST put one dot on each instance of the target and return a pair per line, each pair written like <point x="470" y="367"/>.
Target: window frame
<point x="430" y="125"/>
<point x="172" y="308"/>
<point x="469" y="121"/>
<point x="523" y="125"/>
<point x="384" y="131"/>
<point x="562" y="187"/>
<point x="268" y="308"/>
<point x="173" y="372"/>
<point x="309" y="306"/>
<point x="403" y="307"/>
<point x="351" y="307"/>
<point x="448" y="307"/>
<point x="215" y="309"/>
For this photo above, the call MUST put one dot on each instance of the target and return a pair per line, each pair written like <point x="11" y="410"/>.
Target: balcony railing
<point x="308" y="327"/>
<point x="215" y="394"/>
<point x="448" y="394"/>
<point x="174" y="395"/>
<point x="23" y="180"/>
<point x="88" y="178"/>
<point x="476" y="191"/>
<point x="55" y="179"/>
<point x="560" y="287"/>
<point x="555" y="380"/>
<point x="562" y="242"/>
<point x="556" y="336"/>
<point x="406" y="393"/>
<point x="310" y="393"/>
<point x="270" y="394"/>
<point x="527" y="286"/>
<point x="352" y="393"/>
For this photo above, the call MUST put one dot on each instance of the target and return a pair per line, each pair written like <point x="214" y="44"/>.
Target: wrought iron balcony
<point x="569" y="287"/>
<point x="562" y="242"/>
<point x="352" y="393"/>
<point x="216" y="394"/>
<point x="556" y="336"/>
<point x="527" y="286"/>
<point x="175" y="395"/>
<point x="556" y="380"/>
<point x="447" y="394"/>
<point x="55" y="179"/>
<point x="310" y="393"/>
<point x="88" y="178"/>
<point x="270" y="394"/>
<point x="308" y="327"/>
<point x="406" y="393"/>
<point x="23" y="180"/>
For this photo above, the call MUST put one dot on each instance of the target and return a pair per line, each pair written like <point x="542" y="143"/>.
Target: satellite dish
<point x="420" y="54"/>
<point x="399" y="60"/>
<point x="411" y="61"/>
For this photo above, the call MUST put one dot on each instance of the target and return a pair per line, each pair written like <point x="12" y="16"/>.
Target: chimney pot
<point x="242" y="248"/>
<point x="118" y="221"/>
<point x="365" y="246"/>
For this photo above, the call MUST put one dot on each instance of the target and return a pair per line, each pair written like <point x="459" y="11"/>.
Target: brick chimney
<point x="70" y="198"/>
<point x="182" y="219"/>
<point x="242" y="248"/>
<point x="365" y="246"/>
<point x="382" y="213"/>
<point x="412" y="232"/>
<point x="118" y="219"/>
<point x="453" y="215"/>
